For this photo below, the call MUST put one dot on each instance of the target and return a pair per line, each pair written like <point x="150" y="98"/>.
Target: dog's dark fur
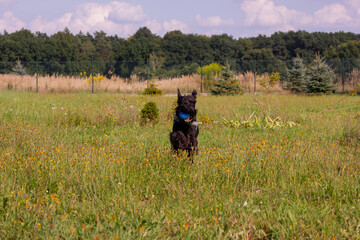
<point x="184" y="133"/>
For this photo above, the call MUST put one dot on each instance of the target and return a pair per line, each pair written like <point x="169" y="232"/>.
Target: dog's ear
<point x="194" y="93"/>
<point x="179" y="94"/>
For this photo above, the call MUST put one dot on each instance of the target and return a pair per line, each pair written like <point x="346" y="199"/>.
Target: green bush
<point x="152" y="90"/>
<point x="150" y="113"/>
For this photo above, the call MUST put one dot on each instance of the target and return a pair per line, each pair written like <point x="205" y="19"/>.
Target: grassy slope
<point x="80" y="166"/>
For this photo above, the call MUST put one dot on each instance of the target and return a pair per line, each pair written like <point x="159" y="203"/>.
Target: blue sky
<point x="239" y="18"/>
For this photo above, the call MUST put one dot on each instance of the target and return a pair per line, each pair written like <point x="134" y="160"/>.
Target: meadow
<point x="80" y="166"/>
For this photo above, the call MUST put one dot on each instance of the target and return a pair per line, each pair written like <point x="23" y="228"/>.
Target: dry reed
<point x="132" y="85"/>
<point x="62" y="84"/>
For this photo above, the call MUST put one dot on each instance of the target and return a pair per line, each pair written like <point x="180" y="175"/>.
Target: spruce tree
<point x="19" y="68"/>
<point x="297" y="77"/>
<point x="228" y="85"/>
<point x="321" y="77"/>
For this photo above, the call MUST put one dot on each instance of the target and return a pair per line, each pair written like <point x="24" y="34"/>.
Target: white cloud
<point x="175" y="25"/>
<point x="213" y="21"/>
<point x="10" y="23"/>
<point x="119" y="18"/>
<point x="355" y="5"/>
<point x="154" y="26"/>
<point x="122" y="11"/>
<point x="113" y="18"/>
<point x="266" y="14"/>
<point x="332" y="14"/>
<point x="43" y="25"/>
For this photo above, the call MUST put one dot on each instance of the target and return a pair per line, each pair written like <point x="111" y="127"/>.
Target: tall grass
<point x="132" y="85"/>
<point x="81" y="166"/>
<point x="66" y="84"/>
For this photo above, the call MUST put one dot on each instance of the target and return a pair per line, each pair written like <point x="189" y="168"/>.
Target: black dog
<point x="185" y="128"/>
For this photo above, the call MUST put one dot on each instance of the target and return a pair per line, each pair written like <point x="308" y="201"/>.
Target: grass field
<point x="80" y="166"/>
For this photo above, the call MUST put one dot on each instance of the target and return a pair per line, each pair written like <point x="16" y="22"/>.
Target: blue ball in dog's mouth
<point x="184" y="116"/>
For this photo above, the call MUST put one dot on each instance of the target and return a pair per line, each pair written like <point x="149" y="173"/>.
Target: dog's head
<point x="186" y="106"/>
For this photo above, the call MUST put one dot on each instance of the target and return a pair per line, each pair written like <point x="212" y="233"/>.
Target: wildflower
<point x="187" y="225"/>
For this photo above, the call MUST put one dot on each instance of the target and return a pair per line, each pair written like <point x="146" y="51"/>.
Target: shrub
<point x="150" y="113"/>
<point x="152" y="89"/>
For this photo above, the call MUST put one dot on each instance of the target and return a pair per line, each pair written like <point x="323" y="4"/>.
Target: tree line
<point x="175" y="53"/>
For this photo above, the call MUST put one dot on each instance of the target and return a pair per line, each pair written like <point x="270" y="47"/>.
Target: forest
<point x="175" y="53"/>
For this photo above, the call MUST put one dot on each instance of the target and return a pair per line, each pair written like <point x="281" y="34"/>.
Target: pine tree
<point x="321" y="77"/>
<point x="228" y="84"/>
<point x="19" y="68"/>
<point x="297" y="77"/>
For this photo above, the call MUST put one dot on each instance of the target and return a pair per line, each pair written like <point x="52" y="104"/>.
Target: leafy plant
<point x="257" y="122"/>
<point x="150" y="113"/>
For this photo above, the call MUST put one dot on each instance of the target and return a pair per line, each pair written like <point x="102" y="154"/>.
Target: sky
<point x="238" y="18"/>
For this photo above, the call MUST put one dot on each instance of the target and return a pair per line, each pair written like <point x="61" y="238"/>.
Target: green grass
<point x="82" y="166"/>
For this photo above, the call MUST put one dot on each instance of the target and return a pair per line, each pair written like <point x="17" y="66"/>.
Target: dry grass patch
<point x="77" y="84"/>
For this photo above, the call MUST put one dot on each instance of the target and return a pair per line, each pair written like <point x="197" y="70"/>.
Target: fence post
<point x="343" y="74"/>
<point x="92" y="76"/>
<point x="254" y="75"/>
<point x="147" y="73"/>
<point x="37" y="76"/>
<point x="201" y="77"/>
